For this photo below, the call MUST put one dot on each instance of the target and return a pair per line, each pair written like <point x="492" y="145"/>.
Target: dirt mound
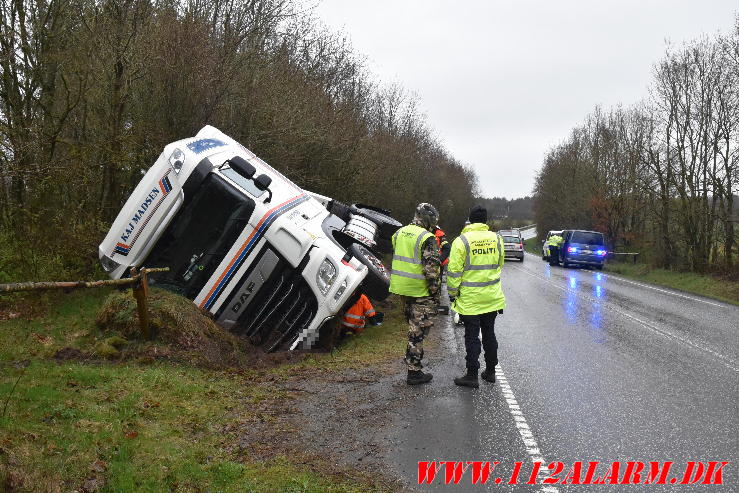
<point x="181" y="330"/>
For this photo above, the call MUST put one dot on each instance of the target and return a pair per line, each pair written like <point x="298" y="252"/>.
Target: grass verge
<point x="532" y="246"/>
<point x="151" y="425"/>
<point x="701" y="284"/>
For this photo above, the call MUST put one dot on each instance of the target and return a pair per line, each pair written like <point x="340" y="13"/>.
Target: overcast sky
<point x="501" y="82"/>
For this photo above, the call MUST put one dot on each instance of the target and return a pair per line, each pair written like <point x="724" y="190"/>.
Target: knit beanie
<point x="478" y="214"/>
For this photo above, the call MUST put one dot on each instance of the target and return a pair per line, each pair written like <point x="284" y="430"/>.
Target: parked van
<point x="267" y="259"/>
<point x="582" y="247"/>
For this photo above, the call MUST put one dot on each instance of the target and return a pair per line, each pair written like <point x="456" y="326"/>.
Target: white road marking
<point x="661" y="290"/>
<point x="529" y="442"/>
<point x="673" y="293"/>
<point x="728" y="362"/>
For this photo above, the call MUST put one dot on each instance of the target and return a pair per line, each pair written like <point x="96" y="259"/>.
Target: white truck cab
<point x="267" y="259"/>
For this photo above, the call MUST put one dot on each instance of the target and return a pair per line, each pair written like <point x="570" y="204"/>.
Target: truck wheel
<point x="386" y="225"/>
<point x="377" y="283"/>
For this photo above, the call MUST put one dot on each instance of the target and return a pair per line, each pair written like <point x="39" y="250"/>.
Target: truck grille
<point x="280" y="303"/>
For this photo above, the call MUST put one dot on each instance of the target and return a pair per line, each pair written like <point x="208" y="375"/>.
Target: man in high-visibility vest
<point x="555" y="242"/>
<point x="473" y="283"/>
<point x="416" y="277"/>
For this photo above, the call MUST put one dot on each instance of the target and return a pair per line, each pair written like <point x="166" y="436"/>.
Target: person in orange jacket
<point x="354" y="319"/>
<point x="444" y="246"/>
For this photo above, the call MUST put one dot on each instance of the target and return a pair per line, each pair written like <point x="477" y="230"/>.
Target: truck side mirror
<point x="263" y="182"/>
<point x="242" y="167"/>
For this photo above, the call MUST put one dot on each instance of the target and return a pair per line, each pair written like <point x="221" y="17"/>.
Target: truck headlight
<point x="326" y="276"/>
<point x="109" y="265"/>
<point x="177" y="160"/>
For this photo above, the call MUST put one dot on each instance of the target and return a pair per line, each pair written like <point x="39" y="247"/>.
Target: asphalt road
<point x="595" y="368"/>
<point x="528" y="232"/>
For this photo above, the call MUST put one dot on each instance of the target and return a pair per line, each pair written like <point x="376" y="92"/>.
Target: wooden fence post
<point x="140" y="292"/>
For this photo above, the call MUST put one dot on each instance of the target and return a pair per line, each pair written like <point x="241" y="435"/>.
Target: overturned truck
<point x="265" y="258"/>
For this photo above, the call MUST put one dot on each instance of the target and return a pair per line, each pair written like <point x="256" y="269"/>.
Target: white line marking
<point x="728" y="362"/>
<point x="673" y="293"/>
<point x="529" y="442"/>
<point x="661" y="290"/>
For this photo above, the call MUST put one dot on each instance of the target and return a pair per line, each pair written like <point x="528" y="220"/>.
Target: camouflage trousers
<point x="420" y="314"/>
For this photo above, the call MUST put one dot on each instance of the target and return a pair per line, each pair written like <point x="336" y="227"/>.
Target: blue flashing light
<point x="572" y="249"/>
<point x="601" y="252"/>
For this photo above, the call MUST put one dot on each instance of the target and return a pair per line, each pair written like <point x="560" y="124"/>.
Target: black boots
<point x="469" y="379"/>
<point x="488" y="375"/>
<point x="417" y="377"/>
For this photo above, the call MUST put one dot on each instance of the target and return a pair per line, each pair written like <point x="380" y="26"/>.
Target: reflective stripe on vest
<point x="406" y="275"/>
<point x="416" y="259"/>
<point x="467" y="265"/>
<point x="479" y="288"/>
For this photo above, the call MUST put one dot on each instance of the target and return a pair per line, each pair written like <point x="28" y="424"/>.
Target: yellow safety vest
<point x="473" y="275"/>
<point x="407" y="277"/>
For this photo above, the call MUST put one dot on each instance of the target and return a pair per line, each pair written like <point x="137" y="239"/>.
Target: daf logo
<point x="242" y="299"/>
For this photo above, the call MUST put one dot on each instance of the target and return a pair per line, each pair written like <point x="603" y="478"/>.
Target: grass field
<point x="702" y="284"/>
<point x="532" y="246"/>
<point x="141" y="425"/>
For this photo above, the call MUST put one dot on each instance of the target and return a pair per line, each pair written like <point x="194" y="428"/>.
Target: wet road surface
<point x="593" y="367"/>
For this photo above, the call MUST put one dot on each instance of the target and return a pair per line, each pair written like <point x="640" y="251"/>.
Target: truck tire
<point x="377" y="283"/>
<point x="386" y="225"/>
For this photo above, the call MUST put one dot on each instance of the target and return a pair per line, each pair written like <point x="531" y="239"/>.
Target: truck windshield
<point x="200" y="235"/>
<point x="587" y="238"/>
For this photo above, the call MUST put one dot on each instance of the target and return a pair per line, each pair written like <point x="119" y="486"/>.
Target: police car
<point x="267" y="259"/>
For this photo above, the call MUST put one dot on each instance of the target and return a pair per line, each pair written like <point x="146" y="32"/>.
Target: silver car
<point x="512" y="243"/>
